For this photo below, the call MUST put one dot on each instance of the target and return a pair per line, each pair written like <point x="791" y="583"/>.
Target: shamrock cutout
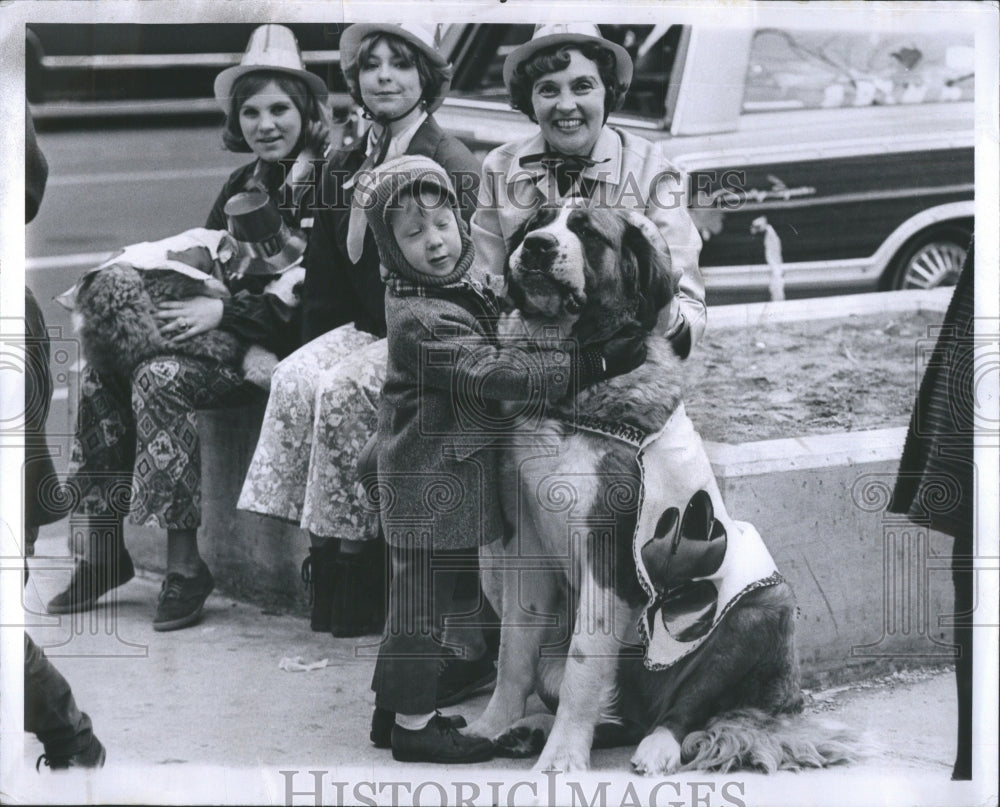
<point x="677" y="553"/>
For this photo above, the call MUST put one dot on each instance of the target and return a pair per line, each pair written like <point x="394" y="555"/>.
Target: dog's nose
<point x="541" y="244"/>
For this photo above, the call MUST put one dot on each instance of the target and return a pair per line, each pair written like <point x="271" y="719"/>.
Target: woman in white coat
<point x="568" y="79"/>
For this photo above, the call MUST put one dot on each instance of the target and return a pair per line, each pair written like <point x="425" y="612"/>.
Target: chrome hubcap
<point x="936" y="264"/>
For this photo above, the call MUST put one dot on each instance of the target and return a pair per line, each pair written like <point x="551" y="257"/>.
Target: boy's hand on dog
<point x="181" y="320"/>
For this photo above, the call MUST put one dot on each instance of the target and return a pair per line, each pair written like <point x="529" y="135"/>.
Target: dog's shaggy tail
<point x="750" y="739"/>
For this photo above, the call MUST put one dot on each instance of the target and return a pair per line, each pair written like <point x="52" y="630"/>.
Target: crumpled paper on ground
<point x="298" y="665"/>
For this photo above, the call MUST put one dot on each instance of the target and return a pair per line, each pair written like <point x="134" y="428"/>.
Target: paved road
<point x="116" y="187"/>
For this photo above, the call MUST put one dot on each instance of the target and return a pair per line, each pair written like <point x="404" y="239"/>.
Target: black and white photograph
<point x="499" y="403"/>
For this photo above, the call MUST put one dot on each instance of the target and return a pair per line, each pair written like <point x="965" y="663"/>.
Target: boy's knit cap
<point x="378" y="192"/>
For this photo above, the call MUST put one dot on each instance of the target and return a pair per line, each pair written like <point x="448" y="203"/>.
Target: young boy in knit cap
<point x="439" y="434"/>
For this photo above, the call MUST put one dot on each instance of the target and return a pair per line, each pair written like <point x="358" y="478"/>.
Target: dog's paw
<point x="519" y="742"/>
<point x="564" y="757"/>
<point x="526" y="738"/>
<point x="659" y="753"/>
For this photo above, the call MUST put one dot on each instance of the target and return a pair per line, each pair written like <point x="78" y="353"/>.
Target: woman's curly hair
<point x="432" y="77"/>
<point x="556" y="58"/>
<point x="248" y="85"/>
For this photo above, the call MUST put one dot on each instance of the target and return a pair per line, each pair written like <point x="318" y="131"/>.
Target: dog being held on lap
<point x="619" y="554"/>
<point x="117" y="304"/>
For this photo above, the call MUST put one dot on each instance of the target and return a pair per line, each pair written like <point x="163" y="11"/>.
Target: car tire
<point x="933" y="258"/>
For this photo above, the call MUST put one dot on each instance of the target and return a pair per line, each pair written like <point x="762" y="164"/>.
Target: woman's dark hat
<point x="562" y="33"/>
<point x="262" y="235"/>
<point x="272" y="48"/>
<point x="424" y="38"/>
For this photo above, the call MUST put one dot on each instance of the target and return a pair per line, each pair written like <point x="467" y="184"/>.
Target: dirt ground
<point x="810" y="377"/>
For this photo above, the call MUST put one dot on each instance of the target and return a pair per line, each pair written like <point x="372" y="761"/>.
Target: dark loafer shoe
<point x="90" y="582"/>
<point x="440" y="742"/>
<point x="181" y="599"/>
<point x="383" y="720"/>
<point x="460" y="679"/>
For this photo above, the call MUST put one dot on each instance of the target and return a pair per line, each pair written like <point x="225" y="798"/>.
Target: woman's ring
<point x="182" y="324"/>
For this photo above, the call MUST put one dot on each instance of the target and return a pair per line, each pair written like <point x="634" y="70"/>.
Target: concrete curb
<point x="746" y="315"/>
<point x="818" y="500"/>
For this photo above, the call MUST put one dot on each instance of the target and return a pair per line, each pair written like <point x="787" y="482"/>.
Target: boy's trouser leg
<point x="420" y="594"/>
<point x="463" y="633"/>
<point x="50" y="711"/>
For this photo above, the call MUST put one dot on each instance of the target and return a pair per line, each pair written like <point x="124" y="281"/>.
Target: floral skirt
<point x="322" y="409"/>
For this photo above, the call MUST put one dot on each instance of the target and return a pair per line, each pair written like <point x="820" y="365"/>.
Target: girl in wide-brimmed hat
<point x="275" y="109"/>
<point x="568" y="79"/>
<point x="324" y="397"/>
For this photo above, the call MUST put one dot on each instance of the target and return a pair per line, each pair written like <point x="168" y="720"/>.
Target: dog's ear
<point x="655" y="283"/>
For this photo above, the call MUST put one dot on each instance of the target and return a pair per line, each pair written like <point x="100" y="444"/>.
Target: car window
<point x="792" y="69"/>
<point x="653" y="49"/>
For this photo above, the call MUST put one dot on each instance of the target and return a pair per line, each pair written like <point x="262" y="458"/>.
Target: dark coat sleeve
<point x="36" y="170"/>
<point x="936" y="482"/>
<point x="40" y="478"/>
<point x="338" y="291"/>
<point x="465" y="171"/>
<point x="263" y="319"/>
<point x="234" y="184"/>
<point x="335" y="290"/>
<point x="448" y="344"/>
<point x="216" y="217"/>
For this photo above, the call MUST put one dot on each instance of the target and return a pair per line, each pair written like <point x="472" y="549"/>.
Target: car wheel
<point x="931" y="260"/>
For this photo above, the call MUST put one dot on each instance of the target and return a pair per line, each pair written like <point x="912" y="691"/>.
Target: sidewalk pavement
<point x="169" y="706"/>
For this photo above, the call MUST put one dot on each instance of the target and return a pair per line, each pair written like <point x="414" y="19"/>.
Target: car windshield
<point x="653" y="49"/>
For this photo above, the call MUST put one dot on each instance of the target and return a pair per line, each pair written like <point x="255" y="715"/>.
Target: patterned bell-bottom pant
<point x="136" y="447"/>
<point x="322" y="409"/>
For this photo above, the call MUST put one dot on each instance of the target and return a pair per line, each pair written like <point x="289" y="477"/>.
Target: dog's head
<point x="589" y="270"/>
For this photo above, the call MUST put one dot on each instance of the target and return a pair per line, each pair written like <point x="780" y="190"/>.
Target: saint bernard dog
<point x="630" y="602"/>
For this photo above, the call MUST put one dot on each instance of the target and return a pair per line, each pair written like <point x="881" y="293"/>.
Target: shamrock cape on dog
<point x="694" y="562"/>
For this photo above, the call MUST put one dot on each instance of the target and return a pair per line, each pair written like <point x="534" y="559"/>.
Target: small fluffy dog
<point x="630" y="601"/>
<point x="114" y="304"/>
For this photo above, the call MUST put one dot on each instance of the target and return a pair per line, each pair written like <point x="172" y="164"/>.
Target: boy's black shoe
<point x="460" y="679"/>
<point x="90" y="757"/>
<point x="439" y="741"/>
<point x="383" y="720"/>
<point x="89" y="583"/>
